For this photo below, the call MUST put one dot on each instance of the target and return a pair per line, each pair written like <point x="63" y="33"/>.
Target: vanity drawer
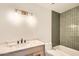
<point x="39" y="53"/>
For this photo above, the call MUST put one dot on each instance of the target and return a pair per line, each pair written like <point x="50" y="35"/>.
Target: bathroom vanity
<point x="30" y="48"/>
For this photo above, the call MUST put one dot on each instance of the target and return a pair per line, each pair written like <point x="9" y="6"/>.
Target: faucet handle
<point x="24" y="41"/>
<point x="17" y="42"/>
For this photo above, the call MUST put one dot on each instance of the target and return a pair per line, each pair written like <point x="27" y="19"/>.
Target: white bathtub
<point x="61" y="51"/>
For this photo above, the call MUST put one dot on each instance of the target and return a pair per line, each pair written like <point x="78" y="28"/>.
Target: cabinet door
<point x="40" y="53"/>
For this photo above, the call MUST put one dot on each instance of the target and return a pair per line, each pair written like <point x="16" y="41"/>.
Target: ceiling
<point x="59" y="7"/>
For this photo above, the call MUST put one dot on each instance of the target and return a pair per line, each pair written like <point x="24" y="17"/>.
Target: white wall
<point x="42" y="31"/>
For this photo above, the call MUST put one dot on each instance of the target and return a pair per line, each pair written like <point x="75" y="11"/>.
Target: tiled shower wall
<point x="55" y="28"/>
<point x="69" y="28"/>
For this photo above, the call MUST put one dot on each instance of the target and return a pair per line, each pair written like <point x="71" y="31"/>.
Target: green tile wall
<point x="69" y="28"/>
<point x="55" y="28"/>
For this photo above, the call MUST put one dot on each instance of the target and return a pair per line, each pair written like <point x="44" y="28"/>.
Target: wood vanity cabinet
<point x="33" y="51"/>
<point x="36" y="51"/>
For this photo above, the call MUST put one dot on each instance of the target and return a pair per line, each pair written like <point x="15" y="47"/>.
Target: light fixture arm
<point x="23" y="12"/>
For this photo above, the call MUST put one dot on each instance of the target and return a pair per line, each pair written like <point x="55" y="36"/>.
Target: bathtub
<point x="61" y="51"/>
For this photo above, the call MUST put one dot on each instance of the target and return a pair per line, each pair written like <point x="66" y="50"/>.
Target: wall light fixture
<point x="22" y="12"/>
<point x="17" y="16"/>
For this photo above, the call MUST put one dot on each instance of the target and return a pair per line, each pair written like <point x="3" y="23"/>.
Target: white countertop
<point x="31" y="43"/>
